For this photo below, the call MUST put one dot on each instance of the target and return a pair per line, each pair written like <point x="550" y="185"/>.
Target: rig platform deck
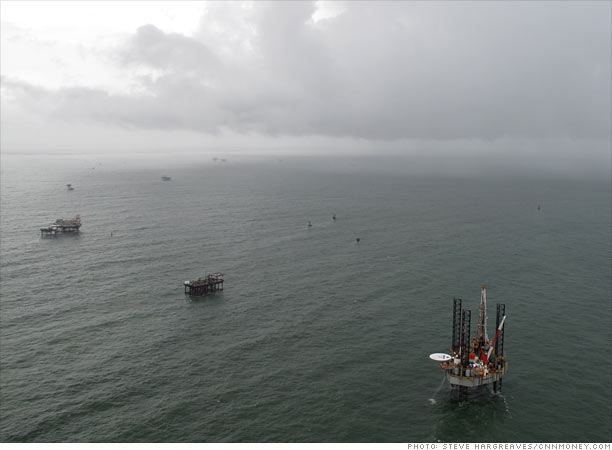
<point x="62" y="226"/>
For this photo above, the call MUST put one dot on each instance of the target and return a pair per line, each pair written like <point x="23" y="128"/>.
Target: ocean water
<point x="316" y="338"/>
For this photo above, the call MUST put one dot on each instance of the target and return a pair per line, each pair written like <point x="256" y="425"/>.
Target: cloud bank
<point x="374" y="71"/>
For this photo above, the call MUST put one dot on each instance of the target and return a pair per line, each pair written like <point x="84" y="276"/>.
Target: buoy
<point x="357" y="239"/>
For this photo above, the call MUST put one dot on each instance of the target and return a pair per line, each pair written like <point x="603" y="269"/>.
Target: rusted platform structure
<point x="208" y="284"/>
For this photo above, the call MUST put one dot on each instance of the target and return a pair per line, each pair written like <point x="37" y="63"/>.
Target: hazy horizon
<point x="518" y="85"/>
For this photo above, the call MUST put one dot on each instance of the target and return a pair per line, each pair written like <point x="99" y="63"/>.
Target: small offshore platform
<point x="208" y="284"/>
<point x="475" y="362"/>
<point x="62" y="226"/>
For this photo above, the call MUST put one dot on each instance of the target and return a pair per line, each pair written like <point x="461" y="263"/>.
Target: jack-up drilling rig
<point x="475" y="362"/>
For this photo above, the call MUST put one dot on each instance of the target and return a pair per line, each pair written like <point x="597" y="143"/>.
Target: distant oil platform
<point x="208" y="284"/>
<point x="475" y="362"/>
<point x="62" y="226"/>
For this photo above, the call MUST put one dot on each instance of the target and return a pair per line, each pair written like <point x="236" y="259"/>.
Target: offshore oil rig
<point x="477" y="361"/>
<point x="62" y="226"/>
<point x="205" y="285"/>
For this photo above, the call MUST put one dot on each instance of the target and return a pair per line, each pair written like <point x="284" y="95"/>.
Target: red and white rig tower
<point x="475" y="362"/>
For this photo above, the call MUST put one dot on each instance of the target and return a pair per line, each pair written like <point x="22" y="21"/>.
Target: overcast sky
<point x="455" y="75"/>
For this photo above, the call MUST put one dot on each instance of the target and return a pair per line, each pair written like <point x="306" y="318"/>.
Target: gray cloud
<point x="173" y="52"/>
<point x="381" y="71"/>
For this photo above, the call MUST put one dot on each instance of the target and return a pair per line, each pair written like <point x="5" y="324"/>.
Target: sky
<point x="529" y="79"/>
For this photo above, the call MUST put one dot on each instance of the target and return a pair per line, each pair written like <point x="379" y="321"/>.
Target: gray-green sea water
<point x="316" y="338"/>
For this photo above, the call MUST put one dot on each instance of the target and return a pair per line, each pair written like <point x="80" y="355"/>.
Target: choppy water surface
<point x="316" y="337"/>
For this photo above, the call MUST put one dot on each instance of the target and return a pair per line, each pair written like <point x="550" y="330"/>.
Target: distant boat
<point x="69" y="186"/>
<point x="165" y="178"/>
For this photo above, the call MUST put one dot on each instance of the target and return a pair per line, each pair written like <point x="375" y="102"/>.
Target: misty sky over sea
<point x="518" y="80"/>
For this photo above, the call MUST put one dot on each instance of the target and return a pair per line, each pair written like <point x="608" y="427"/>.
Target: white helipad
<point x="440" y="357"/>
